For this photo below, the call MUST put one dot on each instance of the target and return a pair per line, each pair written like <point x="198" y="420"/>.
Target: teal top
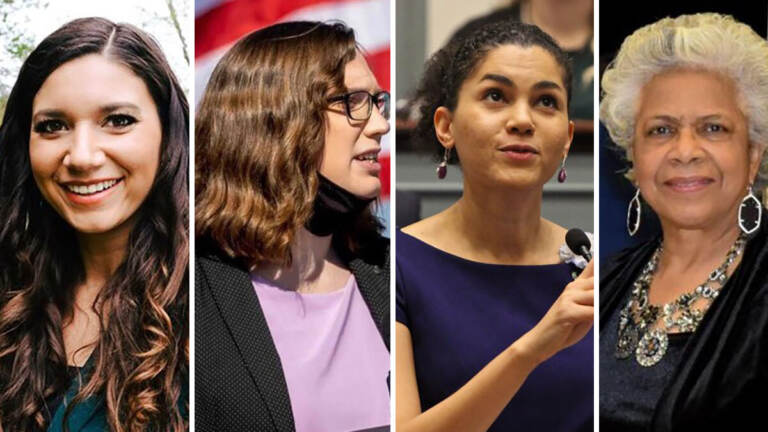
<point x="91" y="414"/>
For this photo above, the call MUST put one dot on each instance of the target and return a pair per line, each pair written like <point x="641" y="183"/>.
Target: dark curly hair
<point x="447" y="69"/>
<point x="140" y="363"/>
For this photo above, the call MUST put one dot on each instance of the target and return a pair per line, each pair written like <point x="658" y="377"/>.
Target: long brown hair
<point x="140" y="363"/>
<point x="259" y="137"/>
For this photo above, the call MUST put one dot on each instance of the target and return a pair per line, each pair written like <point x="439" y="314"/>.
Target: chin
<point x="366" y="187"/>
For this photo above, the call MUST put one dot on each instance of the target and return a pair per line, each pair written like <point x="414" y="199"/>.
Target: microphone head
<point x="576" y="239"/>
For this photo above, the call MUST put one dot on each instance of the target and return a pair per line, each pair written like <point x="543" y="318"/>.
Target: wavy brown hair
<point x="259" y="138"/>
<point x="140" y="363"/>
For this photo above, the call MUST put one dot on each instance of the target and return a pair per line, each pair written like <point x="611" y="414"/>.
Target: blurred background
<point x="423" y="27"/>
<point x="220" y="23"/>
<point x="25" y="23"/>
<point x="615" y="190"/>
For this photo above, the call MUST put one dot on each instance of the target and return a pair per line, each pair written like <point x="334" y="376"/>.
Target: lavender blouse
<point x="333" y="358"/>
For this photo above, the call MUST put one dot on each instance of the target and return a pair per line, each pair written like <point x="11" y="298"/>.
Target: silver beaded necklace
<point x="638" y="332"/>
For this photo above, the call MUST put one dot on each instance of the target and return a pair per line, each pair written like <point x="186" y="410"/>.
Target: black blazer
<point x="239" y="381"/>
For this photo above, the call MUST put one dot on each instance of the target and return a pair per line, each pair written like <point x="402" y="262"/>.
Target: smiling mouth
<point x="688" y="184"/>
<point x="92" y="189"/>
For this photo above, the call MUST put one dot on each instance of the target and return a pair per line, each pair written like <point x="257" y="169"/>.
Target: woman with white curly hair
<point x="684" y="317"/>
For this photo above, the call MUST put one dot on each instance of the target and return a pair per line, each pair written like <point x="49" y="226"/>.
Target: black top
<point x="239" y="381"/>
<point x="721" y="379"/>
<point x="628" y="391"/>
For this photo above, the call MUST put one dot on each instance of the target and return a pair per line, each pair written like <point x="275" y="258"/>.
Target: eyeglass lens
<point x="359" y="104"/>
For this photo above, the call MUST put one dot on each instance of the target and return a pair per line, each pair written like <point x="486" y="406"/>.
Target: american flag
<point x="220" y="23"/>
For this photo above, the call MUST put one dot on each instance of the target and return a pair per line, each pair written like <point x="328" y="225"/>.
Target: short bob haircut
<point x="706" y="41"/>
<point x="259" y="139"/>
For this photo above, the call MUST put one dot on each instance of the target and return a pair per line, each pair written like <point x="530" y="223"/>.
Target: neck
<point x="311" y="254"/>
<point x="505" y="224"/>
<point x="689" y="247"/>
<point x="102" y="253"/>
<point x="570" y="31"/>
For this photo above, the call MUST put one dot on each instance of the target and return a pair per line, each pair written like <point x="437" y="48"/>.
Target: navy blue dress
<point x="461" y="314"/>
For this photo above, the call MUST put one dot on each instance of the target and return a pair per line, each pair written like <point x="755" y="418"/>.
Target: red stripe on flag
<point x="384" y="175"/>
<point x="231" y="20"/>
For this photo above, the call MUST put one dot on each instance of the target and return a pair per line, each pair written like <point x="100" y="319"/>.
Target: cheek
<point x="139" y="155"/>
<point x="339" y="145"/>
<point x="44" y="159"/>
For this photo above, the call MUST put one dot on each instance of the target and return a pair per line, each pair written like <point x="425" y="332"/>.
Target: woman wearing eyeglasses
<point x="292" y="277"/>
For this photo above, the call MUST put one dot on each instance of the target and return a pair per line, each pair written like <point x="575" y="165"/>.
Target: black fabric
<point x="721" y="381"/>
<point x="239" y="381"/>
<point x="334" y="207"/>
<point x="628" y="391"/>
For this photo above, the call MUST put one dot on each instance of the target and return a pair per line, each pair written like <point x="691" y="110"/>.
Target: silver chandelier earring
<point x="750" y="212"/>
<point x="636" y="207"/>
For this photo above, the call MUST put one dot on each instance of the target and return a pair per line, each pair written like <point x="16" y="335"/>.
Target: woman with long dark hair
<point x="292" y="275"/>
<point x="94" y="242"/>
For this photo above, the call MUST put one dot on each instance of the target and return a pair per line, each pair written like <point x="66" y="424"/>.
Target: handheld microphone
<point x="579" y="243"/>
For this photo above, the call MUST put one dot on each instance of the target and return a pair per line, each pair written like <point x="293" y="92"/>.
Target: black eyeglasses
<point x="359" y="104"/>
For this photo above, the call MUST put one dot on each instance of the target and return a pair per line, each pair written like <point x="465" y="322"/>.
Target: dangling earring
<point x="442" y="168"/>
<point x="26" y="221"/>
<point x="750" y="212"/>
<point x="632" y="227"/>
<point x="562" y="175"/>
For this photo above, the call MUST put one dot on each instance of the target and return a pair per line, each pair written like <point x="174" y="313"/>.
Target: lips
<point x="92" y="188"/>
<point x="688" y="184"/>
<point x="368" y="156"/>
<point x="369" y="160"/>
<point x="519" y="151"/>
<point x="90" y="192"/>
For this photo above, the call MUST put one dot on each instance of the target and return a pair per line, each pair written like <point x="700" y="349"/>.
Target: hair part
<point x="702" y="42"/>
<point x="140" y="362"/>
<point x="259" y="139"/>
<point x="446" y="71"/>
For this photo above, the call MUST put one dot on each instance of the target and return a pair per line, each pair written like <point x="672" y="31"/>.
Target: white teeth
<point x="91" y="189"/>
<point x="368" y="157"/>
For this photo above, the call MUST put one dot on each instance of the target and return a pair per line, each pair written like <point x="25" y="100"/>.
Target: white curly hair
<point x="706" y="41"/>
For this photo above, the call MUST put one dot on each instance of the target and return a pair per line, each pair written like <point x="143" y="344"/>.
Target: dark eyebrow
<point x="545" y="85"/>
<point x="118" y="106"/>
<point x="53" y="113"/>
<point x="501" y="79"/>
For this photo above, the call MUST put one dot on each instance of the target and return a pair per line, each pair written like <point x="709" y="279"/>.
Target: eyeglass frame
<point x="371" y="102"/>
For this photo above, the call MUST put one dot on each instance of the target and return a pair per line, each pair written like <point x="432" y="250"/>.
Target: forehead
<point x="522" y="64"/>
<point x="692" y="93"/>
<point x="90" y="79"/>
<point x="358" y="76"/>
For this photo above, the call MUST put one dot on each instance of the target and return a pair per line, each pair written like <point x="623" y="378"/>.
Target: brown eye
<point x="660" y="131"/>
<point x="548" y="102"/>
<point x="119" y="121"/>
<point x="494" y="95"/>
<point x="50" y="126"/>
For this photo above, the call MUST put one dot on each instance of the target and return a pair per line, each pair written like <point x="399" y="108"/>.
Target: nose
<point x="520" y="121"/>
<point x="377" y="125"/>
<point x="84" y="153"/>
<point x="686" y="148"/>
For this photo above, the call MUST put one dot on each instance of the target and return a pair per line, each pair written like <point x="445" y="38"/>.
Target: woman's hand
<point x="566" y="322"/>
